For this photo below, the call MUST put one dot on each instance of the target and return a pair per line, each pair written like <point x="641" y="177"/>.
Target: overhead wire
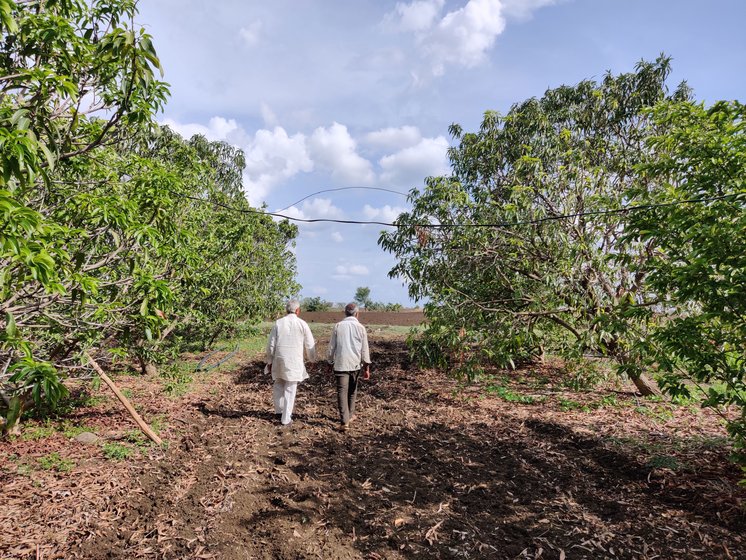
<point x="536" y="221"/>
<point x="341" y="189"/>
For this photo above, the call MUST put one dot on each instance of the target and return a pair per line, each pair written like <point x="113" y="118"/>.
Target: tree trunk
<point x="645" y="386"/>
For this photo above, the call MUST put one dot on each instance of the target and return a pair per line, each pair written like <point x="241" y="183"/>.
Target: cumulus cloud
<point x="218" y="128"/>
<point x="337" y="237"/>
<point x="465" y="35"/>
<point x="393" y="138"/>
<point x="384" y="214"/>
<point x="461" y="37"/>
<point x="409" y="166"/>
<point x="522" y="9"/>
<point x="268" y="115"/>
<point x="272" y="157"/>
<point x="415" y="16"/>
<point x="251" y="33"/>
<point x="351" y="270"/>
<point x="335" y="150"/>
<point x="315" y="209"/>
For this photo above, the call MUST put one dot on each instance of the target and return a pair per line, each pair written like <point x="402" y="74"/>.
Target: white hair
<point x="351" y="309"/>
<point x="292" y="306"/>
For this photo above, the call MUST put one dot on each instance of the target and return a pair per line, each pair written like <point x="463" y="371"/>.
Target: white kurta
<point x="287" y="341"/>
<point x="348" y="348"/>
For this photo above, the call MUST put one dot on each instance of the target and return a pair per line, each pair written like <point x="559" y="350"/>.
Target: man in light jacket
<point x="349" y="356"/>
<point x="287" y="341"/>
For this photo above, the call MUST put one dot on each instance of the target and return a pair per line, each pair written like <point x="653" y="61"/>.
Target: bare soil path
<point x="428" y="470"/>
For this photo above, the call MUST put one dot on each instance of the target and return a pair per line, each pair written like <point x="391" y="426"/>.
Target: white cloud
<point x="319" y="290"/>
<point x="317" y="208"/>
<point x="415" y="16"/>
<point x="394" y="138"/>
<point x="251" y="33"/>
<point x="522" y="9"/>
<point x="218" y="128"/>
<point x="461" y="37"/>
<point x="409" y="166"/>
<point x="352" y="270"/>
<point x="272" y="157"/>
<point x="337" y="237"/>
<point x="335" y="150"/>
<point x="465" y="35"/>
<point x="384" y="214"/>
<point x="268" y="115"/>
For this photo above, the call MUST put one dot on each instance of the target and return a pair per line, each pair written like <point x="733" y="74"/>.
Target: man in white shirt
<point x="349" y="355"/>
<point x="287" y="341"/>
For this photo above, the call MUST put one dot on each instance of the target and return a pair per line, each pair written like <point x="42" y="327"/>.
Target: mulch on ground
<point x="429" y="469"/>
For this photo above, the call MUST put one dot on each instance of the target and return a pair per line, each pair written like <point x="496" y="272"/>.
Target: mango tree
<point x="698" y="270"/>
<point x="513" y="250"/>
<point x="115" y="233"/>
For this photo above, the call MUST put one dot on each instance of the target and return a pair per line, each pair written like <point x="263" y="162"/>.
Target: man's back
<point x="289" y="337"/>
<point x="348" y="348"/>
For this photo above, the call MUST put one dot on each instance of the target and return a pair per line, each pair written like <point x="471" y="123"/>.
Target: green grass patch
<point x="70" y="430"/>
<point x="664" y="462"/>
<point x="37" y="432"/>
<point x="608" y="401"/>
<point x="508" y="395"/>
<point x="657" y="413"/>
<point x="567" y="405"/>
<point x="117" y="451"/>
<point x="177" y="378"/>
<point x="53" y="462"/>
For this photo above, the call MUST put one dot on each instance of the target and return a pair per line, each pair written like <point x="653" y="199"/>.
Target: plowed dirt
<point x="429" y="469"/>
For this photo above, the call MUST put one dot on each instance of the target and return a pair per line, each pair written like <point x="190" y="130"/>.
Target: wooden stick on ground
<point x="137" y="418"/>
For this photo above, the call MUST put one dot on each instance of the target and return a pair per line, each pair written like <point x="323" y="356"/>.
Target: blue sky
<point x="349" y="93"/>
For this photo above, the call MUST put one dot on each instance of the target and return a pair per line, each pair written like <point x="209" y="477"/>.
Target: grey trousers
<point x="346" y="393"/>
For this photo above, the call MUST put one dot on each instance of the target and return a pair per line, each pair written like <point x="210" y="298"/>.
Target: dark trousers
<point x="346" y="393"/>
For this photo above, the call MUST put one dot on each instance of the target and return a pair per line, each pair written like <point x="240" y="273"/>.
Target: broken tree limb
<point x="137" y="418"/>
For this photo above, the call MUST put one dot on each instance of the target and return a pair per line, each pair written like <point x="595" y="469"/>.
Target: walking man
<point x="349" y="356"/>
<point x="289" y="338"/>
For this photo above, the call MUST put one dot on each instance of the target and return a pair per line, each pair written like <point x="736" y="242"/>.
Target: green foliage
<point x="583" y="375"/>
<point x="38" y="432"/>
<point x="698" y="271"/>
<point x="567" y="405"/>
<point x="512" y="292"/>
<point x="53" y="462"/>
<point x="115" y="233"/>
<point x="178" y="378"/>
<point x="664" y="462"/>
<point x="315" y="304"/>
<point x="608" y="401"/>
<point x="508" y="395"/>
<point x="117" y="451"/>
<point x="362" y="296"/>
<point x="380" y="306"/>
<point x="71" y="430"/>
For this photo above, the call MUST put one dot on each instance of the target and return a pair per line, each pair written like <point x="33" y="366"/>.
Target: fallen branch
<point x="137" y="418"/>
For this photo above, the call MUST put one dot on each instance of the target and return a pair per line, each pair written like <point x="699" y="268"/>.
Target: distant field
<point x="401" y="318"/>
